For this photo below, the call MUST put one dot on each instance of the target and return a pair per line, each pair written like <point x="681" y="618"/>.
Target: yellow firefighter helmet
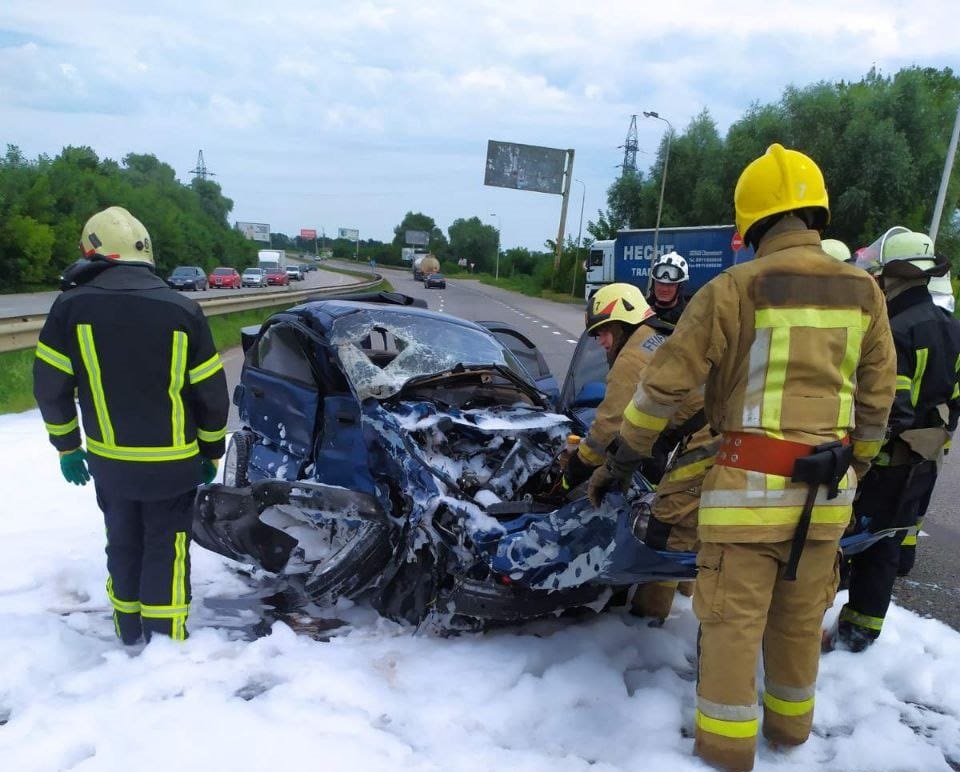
<point x="116" y="234"/>
<point x="619" y="302"/>
<point x="780" y="180"/>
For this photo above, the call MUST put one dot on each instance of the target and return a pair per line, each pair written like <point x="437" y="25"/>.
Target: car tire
<point x="351" y="569"/>
<point x="236" y="461"/>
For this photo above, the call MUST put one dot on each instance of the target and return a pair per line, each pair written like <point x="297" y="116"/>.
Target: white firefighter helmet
<point x="836" y="249"/>
<point x="941" y="290"/>
<point x="670" y="268"/>
<point x="117" y="235"/>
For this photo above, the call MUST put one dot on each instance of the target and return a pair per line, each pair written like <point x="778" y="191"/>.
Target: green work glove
<point x="603" y="480"/>
<point x="73" y="465"/>
<point x="208" y="470"/>
<point x="615" y="474"/>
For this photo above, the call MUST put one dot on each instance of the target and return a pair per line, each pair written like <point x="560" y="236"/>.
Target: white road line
<point x="571" y="341"/>
<point x="545" y="326"/>
<point x="556" y="332"/>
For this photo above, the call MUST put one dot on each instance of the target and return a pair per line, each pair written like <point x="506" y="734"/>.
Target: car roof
<point x="322" y="313"/>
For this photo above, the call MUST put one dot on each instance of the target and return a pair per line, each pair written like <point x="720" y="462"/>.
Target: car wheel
<point x="353" y="567"/>
<point x="236" y="461"/>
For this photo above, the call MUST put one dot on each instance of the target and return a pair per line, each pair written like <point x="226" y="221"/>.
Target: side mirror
<point x="590" y="395"/>
<point x="248" y="335"/>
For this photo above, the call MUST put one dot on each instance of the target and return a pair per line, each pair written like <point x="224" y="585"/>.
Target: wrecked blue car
<point x="404" y="454"/>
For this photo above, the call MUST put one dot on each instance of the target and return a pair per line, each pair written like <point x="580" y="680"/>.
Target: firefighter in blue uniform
<point x="925" y="411"/>
<point x="140" y="360"/>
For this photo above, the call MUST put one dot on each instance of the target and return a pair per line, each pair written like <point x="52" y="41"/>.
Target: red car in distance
<point x="277" y="276"/>
<point x="224" y="277"/>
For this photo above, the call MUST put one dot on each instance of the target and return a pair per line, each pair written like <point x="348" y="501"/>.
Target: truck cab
<point x="708" y="250"/>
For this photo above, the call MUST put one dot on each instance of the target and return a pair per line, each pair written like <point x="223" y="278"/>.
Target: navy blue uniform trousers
<point x="148" y="559"/>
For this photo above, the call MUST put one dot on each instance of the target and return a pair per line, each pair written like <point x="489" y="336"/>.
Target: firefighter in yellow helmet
<point x="140" y="360"/>
<point x="628" y="330"/>
<point x="795" y="353"/>
<point x="896" y="490"/>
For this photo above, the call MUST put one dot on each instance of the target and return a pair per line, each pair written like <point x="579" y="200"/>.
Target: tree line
<point x="45" y="202"/>
<point x="881" y="143"/>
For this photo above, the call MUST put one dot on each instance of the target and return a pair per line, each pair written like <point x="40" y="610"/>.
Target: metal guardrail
<point x="22" y="332"/>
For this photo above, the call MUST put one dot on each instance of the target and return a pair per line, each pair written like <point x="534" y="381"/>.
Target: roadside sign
<point x="736" y="243"/>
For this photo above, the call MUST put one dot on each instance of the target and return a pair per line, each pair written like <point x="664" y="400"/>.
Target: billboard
<point x="417" y="238"/>
<point x="348" y="233"/>
<point x="406" y="254"/>
<point x="255" y="231"/>
<point x="308" y="233"/>
<point x="525" y="167"/>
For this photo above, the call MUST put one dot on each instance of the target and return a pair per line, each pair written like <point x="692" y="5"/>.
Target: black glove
<point x="576" y="472"/>
<point x="616" y="473"/>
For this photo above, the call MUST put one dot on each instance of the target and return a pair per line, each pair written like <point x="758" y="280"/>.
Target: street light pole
<point x="499" y="226"/>
<point x="945" y="179"/>
<point x="663" y="185"/>
<point x="576" y="262"/>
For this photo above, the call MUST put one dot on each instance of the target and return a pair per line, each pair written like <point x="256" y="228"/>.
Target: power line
<point x="630" y="147"/>
<point x="201" y="170"/>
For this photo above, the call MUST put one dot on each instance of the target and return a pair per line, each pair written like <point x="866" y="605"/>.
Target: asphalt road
<point x="933" y="589"/>
<point x="30" y="303"/>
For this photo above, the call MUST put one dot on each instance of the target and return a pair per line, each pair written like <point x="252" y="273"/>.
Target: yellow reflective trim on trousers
<point x="122" y="453"/>
<point x="921" y="368"/>
<point x="910" y="540"/>
<point x="760" y="516"/>
<point x="787" y="707"/>
<point x="819" y="318"/>
<point x="178" y="588"/>
<point x="178" y="366"/>
<point x="847" y="614"/>
<point x="738" y="730"/>
<point x="58" y="430"/>
<point x="54" y="358"/>
<point x="904" y="383"/>
<point x="205" y="369"/>
<point x="641" y="420"/>
<point x="689" y="471"/>
<point x="123" y="606"/>
<point x="770" y="413"/>
<point x="206" y="436"/>
<point x="163" y="612"/>
<point x="866" y="448"/>
<point x="88" y="351"/>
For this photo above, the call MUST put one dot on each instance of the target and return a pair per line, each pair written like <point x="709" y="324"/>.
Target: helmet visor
<point x="667" y="272"/>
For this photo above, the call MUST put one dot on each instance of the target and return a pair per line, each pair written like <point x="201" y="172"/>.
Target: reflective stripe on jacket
<point x="791" y="345"/>
<point x="150" y="385"/>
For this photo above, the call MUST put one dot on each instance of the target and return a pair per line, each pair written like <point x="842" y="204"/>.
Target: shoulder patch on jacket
<point x="653" y="342"/>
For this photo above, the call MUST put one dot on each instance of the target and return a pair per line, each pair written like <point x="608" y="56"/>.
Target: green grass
<point x="16" y="367"/>
<point x="16" y="381"/>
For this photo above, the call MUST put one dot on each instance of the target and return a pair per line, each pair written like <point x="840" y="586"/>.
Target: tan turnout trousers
<point x="744" y="604"/>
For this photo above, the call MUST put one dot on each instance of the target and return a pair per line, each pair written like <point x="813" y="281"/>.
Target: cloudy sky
<point x="322" y="115"/>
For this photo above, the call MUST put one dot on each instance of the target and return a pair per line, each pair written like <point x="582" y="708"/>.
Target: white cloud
<point x="401" y="96"/>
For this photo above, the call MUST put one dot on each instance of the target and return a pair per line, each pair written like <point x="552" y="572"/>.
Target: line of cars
<point x="192" y="277"/>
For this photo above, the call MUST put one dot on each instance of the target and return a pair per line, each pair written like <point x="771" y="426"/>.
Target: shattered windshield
<point x="382" y="352"/>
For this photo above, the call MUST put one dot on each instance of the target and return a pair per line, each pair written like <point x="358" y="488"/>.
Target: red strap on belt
<point x="762" y="454"/>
